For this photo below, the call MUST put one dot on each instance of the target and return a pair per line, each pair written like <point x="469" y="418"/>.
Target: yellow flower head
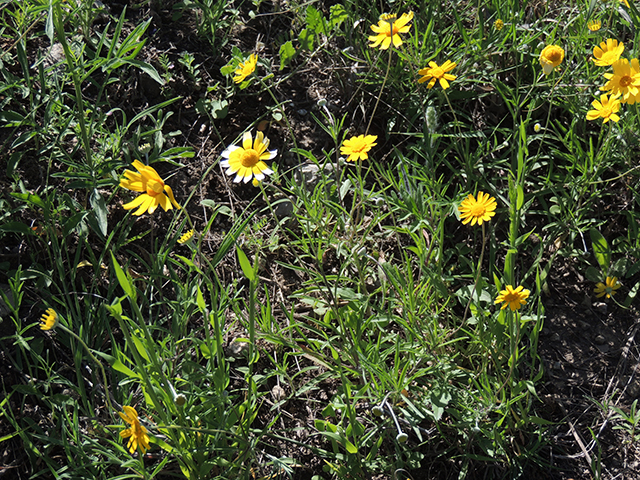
<point x="514" y="298"/>
<point x="607" y="53"/>
<point x="246" y="68"/>
<point x="388" y="29"/>
<point x="247" y="161"/>
<point x="498" y="24"/>
<point x="594" y="25"/>
<point x="606" y="108"/>
<point x="537" y="127"/>
<point x="149" y="182"/>
<point x="49" y="319"/>
<point x="186" y="237"/>
<point x="625" y="79"/>
<point x="626" y="2"/>
<point x="477" y="211"/>
<point x="434" y="72"/>
<point x="357" y="147"/>
<point x="550" y="57"/>
<point x="608" y="288"/>
<point x="137" y="434"/>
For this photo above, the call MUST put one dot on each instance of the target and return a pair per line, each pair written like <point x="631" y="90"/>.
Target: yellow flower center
<point x="250" y="158"/>
<point x="437" y="72"/>
<point x="154" y="187"/>
<point x="625" y="81"/>
<point x="553" y="56"/>
<point x="478" y="210"/>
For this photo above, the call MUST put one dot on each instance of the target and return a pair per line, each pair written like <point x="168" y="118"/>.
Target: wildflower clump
<point x="49" y="319"/>
<point x="153" y="187"/>
<point x="389" y="29"/>
<point x="608" y="288"/>
<point x="136" y="434"/>
<point x="477" y="210"/>
<point x="248" y="161"/>
<point x="514" y="298"/>
<point x="550" y="57"/>
<point x="357" y="148"/>
<point x="440" y="73"/>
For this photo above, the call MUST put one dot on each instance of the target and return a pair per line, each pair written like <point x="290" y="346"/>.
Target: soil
<point x="589" y="350"/>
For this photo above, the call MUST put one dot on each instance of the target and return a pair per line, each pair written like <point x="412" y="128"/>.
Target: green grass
<point x="369" y="296"/>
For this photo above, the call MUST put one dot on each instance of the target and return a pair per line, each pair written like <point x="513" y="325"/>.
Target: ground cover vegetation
<point x="279" y="239"/>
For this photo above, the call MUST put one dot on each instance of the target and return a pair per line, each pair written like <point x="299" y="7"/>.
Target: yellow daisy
<point x="149" y="182"/>
<point x="186" y="237"/>
<point x="606" y="108"/>
<point x="247" y="161"/>
<point x="477" y="211"/>
<point x="498" y="24"/>
<point x="608" y="288"/>
<point x="137" y="434"/>
<point x="625" y="79"/>
<point x="513" y="298"/>
<point x="49" y="319"/>
<point x="550" y="57"/>
<point x="388" y="29"/>
<point x="594" y="25"/>
<point x="246" y="68"/>
<point x="357" y="147"/>
<point x="434" y="72"/>
<point x="607" y="53"/>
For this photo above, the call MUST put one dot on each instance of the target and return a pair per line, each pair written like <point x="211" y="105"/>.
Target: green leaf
<point x="247" y="269"/>
<point x="306" y="39"/>
<point x="123" y="280"/>
<point x="600" y="250"/>
<point x="337" y="15"/>
<point x="31" y="198"/>
<point x="202" y="306"/>
<point x="287" y="52"/>
<point x="100" y="211"/>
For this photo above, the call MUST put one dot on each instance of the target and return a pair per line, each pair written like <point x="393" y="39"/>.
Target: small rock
<point x="600" y="340"/>
<point x="555" y="337"/>
<point x="309" y="174"/>
<point x="278" y="393"/>
<point x="238" y="349"/>
<point x="601" y="307"/>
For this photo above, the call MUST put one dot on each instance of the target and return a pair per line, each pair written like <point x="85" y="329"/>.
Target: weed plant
<point x="478" y="145"/>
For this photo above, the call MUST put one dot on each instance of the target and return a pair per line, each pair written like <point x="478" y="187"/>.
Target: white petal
<point x="228" y="151"/>
<point x="259" y="176"/>
<point x="237" y="179"/>
<point x="272" y="154"/>
<point x="267" y="171"/>
<point x="224" y="163"/>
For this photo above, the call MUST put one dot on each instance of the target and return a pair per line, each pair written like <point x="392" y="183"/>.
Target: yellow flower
<point x="624" y="80"/>
<point x="608" y="288"/>
<point x="49" y="319"/>
<point x="607" y="53"/>
<point x="137" y="434"/>
<point x="247" y="161"/>
<point x="246" y="68"/>
<point x="626" y="2"/>
<point x="149" y="182"/>
<point x="434" y="72"/>
<point x="477" y="211"/>
<point x="357" y="147"/>
<point x="388" y="29"/>
<point x="550" y="57"/>
<point x="498" y="24"/>
<point x="594" y="25"/>
<point x="514" y="298"/>
<point x="537" y="127"/>
<point x="186" y="237"/>
<point x="606" y="108"/>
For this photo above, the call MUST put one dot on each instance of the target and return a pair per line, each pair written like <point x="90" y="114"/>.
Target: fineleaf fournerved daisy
<point x="608" y="52"/>
<point x="477" y="211"/>
<point x="625" y="79"/>
<point x="49" y="319"/>
<point x="248" y="161"/>
<point x="388" y="30"/>
<point x="137" y="434"/>
<point x="514" y="298"/>
<point x="246" y="68"/>
<point x="594" y="25"/>
<point x="357" y="147"/>
<point x="153" y="187"/>
<point x="550" y="57"/>
<point x="186" y="237"/>
<point x="608" y="288"/>
<point x="606" y="108"/>
<point x="433" y="72"/>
